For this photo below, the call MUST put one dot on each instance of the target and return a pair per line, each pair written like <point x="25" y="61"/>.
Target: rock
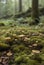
<point x="35" y="51"/>
<point x="9" y="53"/>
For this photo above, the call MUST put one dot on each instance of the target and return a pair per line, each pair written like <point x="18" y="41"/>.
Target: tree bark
<point x="35" y="9"/>
<point x="20" y="5"/>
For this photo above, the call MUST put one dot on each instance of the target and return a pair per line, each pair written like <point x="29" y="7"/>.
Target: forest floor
<point x="20" y="43"/>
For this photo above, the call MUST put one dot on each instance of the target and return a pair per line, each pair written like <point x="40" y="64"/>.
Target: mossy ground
<point x="26" y="43"/>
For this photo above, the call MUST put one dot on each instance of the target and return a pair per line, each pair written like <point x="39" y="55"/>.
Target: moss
<point x="42" y="56"/>
<point x="2" y="24"/>
<point x="4" y="46"/>
<point x="11" y="62"/>
<point x="42" y="50"/>
<point x="21" y="46"/>
<point x="24" y="59"/>
<point x="18" y="48"/>
<point x="36" y="57"/>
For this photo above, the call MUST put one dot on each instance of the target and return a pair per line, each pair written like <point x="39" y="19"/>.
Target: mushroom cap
<point x="21" y="36"/>
<point x="14" y="35"/>
<point x="26" y="39"/>
<point x="36" y="51"/>
<point x="9" y="53"/>
<point x="34" y="45"/>
<point x="8" y="38"/>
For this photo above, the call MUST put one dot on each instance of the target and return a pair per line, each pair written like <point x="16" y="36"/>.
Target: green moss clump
<point x="25" y="60"/>
<point x="22" y="58"/>
<point x="18" y="48"/>
<point x="4" y="46"/>
<point x="2" y="24"/>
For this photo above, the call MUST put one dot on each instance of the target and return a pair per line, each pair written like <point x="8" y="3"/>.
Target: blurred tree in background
<point x="35" y="10"/>
<point x="20" y="5"/>
<point x="11" y="7"/>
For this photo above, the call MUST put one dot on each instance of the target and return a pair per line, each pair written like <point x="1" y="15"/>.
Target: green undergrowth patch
<point x="22" y="40"/>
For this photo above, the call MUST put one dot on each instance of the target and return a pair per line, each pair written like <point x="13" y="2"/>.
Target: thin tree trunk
<point x="20" y="5"/>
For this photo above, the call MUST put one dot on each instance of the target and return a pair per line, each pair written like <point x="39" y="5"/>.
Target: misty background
<point x="12" y="6"/>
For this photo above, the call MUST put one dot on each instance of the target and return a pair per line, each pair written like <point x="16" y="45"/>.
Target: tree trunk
<point x="35" y="10"/>
<point x="20" y="5"/>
